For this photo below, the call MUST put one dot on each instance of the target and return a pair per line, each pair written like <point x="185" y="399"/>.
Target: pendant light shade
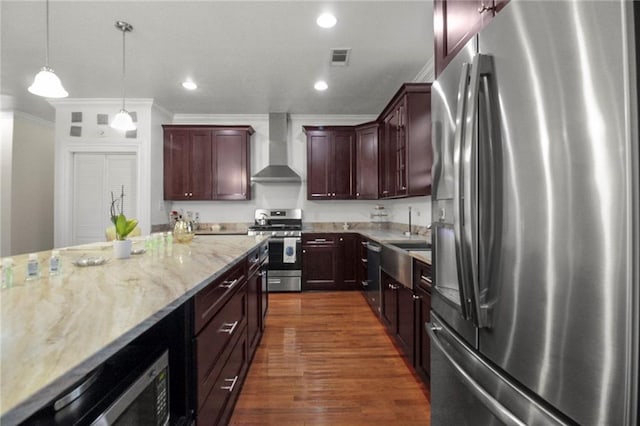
<point x="123" y="120"/>
<point x="46" y="83"/>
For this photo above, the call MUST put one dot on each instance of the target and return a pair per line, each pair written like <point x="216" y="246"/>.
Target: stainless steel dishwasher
<point x="372" y="288"/>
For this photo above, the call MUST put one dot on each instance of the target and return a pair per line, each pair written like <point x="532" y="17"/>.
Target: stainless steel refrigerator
<point x="535" y="220"/>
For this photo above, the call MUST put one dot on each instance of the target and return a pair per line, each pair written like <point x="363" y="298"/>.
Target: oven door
<point x="276" y="255"/>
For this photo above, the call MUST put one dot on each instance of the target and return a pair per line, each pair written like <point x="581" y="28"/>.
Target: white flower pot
<point x="122" y="249"/>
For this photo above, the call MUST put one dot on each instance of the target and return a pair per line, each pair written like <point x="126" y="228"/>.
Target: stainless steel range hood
<point x="277" y="170"/>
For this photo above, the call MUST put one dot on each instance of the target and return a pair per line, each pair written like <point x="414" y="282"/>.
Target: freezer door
<point x="471" y="392"/>
<point x="558" y="287"/>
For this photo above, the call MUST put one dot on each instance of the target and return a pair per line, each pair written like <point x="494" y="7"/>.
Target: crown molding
<point x="144" y="102"/>
<point x="426" y="74"/>
<point x="34" y="119"/>
<point x="226" y="118"/>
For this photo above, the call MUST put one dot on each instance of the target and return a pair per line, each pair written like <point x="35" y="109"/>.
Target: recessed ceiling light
<point x="326" y="20"/>
<point x="321" y="85"/>
<point x="189" y="85"/>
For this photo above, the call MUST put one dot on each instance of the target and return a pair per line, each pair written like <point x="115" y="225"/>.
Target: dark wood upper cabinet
<point x="231" y="164"/>
<point x="455" y="22"/>
<point x="331" y="161"/>
<point x="405" y="146"/>
<point x="367" y="161"/>
<point x="207" y="162"/>
<point x="187" y="164"/>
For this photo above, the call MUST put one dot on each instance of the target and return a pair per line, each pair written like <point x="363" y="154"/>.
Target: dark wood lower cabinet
<point x="330" y="261"/>
<point x="397" y="313"/>
<point x="254" y="303"/>
<point x="349" y="256"/>
<point x="319" y="262"/>
<point x="218" y="405"/>
<point x="227" y="317"/>
<point x="406" y="312"/>
<point x="389" y="302"/>
<point x="423" y="343"/>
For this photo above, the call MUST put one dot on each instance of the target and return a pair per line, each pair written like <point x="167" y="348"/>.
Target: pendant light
<point x="46" y="83"/>
<point x="123" y="120"/>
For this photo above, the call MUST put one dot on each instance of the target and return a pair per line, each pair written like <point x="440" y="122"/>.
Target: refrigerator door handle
<point x="497" y="409"/>
<point x="482" y="65"/>
<point x="458" y="200"/>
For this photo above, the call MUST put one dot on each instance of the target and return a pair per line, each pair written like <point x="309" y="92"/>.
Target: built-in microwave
<point x="144" y="402"/>
<point x="132" y="388"/>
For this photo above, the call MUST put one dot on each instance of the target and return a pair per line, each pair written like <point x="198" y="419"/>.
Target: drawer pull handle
<point x="425" y="279"/>
<point x="320" y="240"/>
<point x="364" y="243"/>
<point x="229" y="284"/>
<point x="231" y="386"/>
<point x="364" y="260"/>
<point x="228" y="328"/>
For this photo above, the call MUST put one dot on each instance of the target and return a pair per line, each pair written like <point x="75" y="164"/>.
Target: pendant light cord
<point x="123" y="66"/>
<point x="47" y="36"/>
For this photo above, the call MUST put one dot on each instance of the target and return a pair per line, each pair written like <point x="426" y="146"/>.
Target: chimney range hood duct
<point x="277" y="171"/>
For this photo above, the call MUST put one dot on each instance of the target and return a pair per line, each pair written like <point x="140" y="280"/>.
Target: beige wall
<point x="32" y="174"/>
<point x="6" y="145"/>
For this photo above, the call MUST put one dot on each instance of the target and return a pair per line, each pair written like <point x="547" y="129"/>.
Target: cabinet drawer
<point x="212" y="298"/>
<point x="219" y="402"/>
<point x="319" y="239"/>
<point x="215" y="337"/>
<point x="421" y="275"/>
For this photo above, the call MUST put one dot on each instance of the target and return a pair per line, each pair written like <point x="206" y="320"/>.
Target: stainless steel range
<point x="284" y="227"/>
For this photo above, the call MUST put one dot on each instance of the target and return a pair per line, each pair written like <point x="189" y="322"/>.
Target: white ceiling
<point x="248" y="57"/>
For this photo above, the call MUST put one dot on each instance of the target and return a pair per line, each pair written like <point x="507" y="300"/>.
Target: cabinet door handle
<point x="357" y="194"/>
<point x="364" y="243"/>
<point x="320" y="240"/>
<point x="416" y="297"/>
<point x="228" y="328"/>
<point x="229" y="284"/>
<point x="341" y="239"/>
<point x="365" y="284"/>
<point x="364" y="260"/>
<point x="191" y="194"/>
<point x="231" y="386"/>
<point x="186" y="194"/>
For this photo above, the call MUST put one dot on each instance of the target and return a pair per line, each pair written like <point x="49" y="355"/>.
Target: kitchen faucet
<point x="408" y="233"/>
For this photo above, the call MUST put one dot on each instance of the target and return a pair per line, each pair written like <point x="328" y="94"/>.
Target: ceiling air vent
<point x="340" y="57"/>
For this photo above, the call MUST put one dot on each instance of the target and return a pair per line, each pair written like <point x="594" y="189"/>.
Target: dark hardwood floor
<point x="325" y="359"/>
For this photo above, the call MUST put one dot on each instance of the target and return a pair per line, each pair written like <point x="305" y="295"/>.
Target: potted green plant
<point x="123" y="227"/>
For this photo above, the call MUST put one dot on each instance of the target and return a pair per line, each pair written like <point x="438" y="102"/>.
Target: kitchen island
<point x="55" y="330"/>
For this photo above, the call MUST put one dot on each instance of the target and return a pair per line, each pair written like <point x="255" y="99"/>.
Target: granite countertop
<point x="57" y="329"/>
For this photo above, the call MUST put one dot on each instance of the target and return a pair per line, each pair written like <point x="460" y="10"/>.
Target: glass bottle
<point x="33" y="268"/>
<point x="55" y="264"/>
<point x="7" y="273"/>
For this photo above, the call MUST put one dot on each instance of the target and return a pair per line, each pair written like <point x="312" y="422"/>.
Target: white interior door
<point x="95" y="177"/>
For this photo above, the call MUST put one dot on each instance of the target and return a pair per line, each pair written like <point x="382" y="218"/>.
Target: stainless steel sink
<point x="396" y="261"/>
